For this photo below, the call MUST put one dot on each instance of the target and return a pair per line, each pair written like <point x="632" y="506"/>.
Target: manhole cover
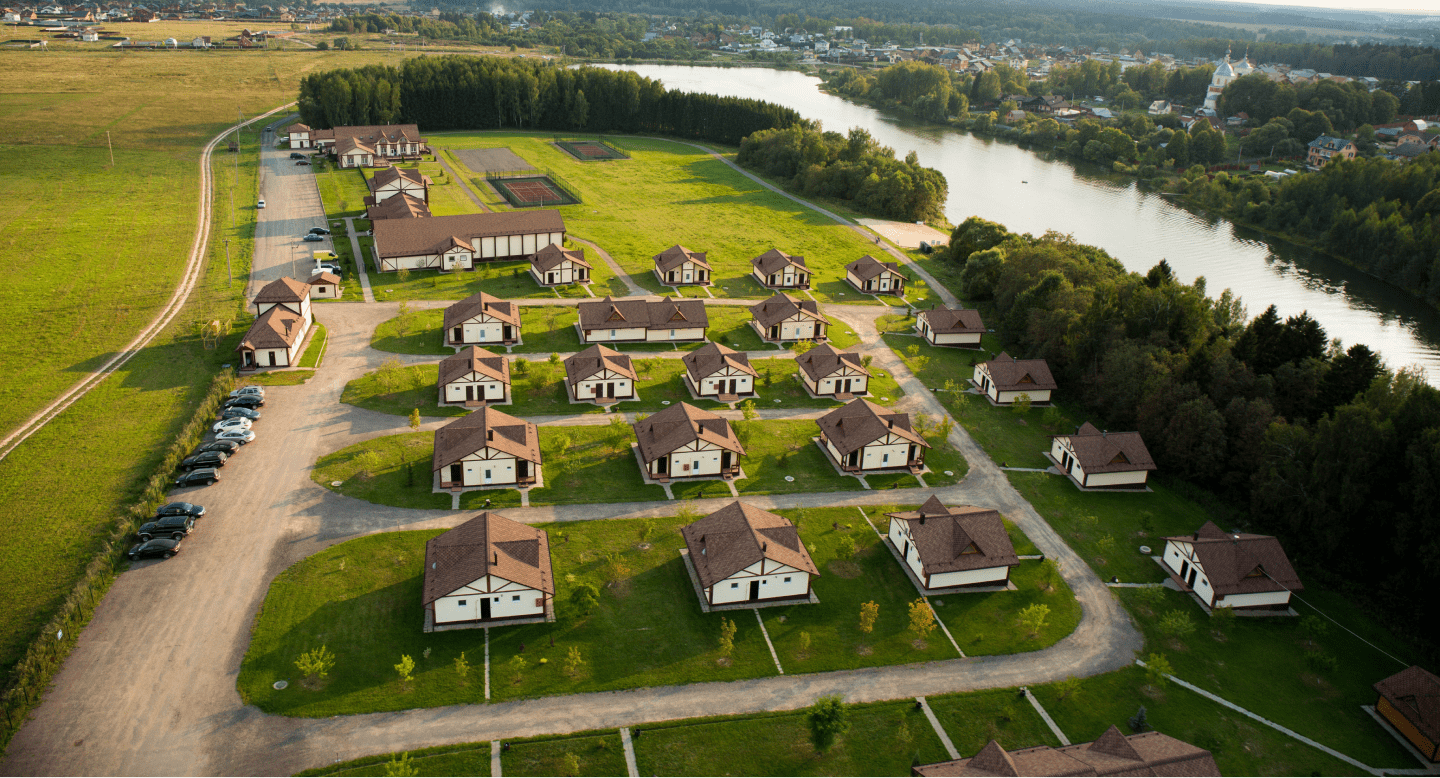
<point x="664" y="402"/>
<point x="790" y="478"/>
<point x="949" y="472"/>
<point x="777" y="401"/>
<point x="1144" y="549"/>
<point x="336" y="483"/>
<point x="280" y="685"/>
<point x="884" y="398"/>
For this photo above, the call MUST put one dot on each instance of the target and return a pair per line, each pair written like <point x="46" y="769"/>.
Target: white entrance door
<point x="489" y="477"/>
<point x="687" y="276"/>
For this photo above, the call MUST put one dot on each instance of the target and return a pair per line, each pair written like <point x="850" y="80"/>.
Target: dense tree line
<point x="1347" y="106"/>
<point x="477" y="93"/>
<point x="1385" y="62"/>
<point x="1305" y="438"/>
<point x="853" y="167"/>
<point x="601" y="36"/>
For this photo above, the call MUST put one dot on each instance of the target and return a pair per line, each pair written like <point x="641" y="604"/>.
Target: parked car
<point x="174" y="527"/>
<point x="251" y="401"/>
<point x="253" y="389"/>
<point x="238" y="412"/>
<point x="236" y="435"/>
<point x="303" y="162"/>
<point x="211" y="459"/>
<point x="230" y="424"/>
<point x="313" y="238"/>
<point x="228" y="446"/>
<point x="261" y="204"/>
<point x="329" y="267"/>
<point x="296" y="155"/>
<point x="180" y="509"/>
<point x="161" y="547"/>
<point x="205" y="475"/>
<point x="319" y="231"/>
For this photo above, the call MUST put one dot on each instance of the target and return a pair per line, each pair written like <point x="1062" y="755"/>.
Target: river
<point x="1026" y="192"/>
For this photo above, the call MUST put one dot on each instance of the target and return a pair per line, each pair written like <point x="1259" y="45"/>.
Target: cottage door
<point x="854" y="458"/>
<point x="687" y="276"/>
<point x="458" y="336"/>
<point x="724" y="461"/>
<point x="610" y="389"/>
<point x="507" y="332"/>
<point x="754" y="590"/>
<point x="1184" y="570"/>
<point x="1190" y="582"/>
<point x="817" y="330"/>
<point x="485" y="608"/>
<point x="469" y="394"/>
<point x="905" y="555"/>
<point x="457" y="474"/>
<point x="846" y="390"/>
<point x="734" y="386"/>
<point x="775" y="332"/>
<point x="489" y="475"/>
<point x="549" y="278"/>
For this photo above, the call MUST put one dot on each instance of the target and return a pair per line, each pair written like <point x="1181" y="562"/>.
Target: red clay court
<point x="590" y="150"/>
<point x="539" y="190"/>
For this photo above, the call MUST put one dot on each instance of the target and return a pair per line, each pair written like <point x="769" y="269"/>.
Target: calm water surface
<point x="1028" y="193"/>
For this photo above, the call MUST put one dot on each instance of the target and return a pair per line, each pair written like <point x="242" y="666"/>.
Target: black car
<point x="303" y="162"/>
<point x="319" y="231"/>
<point x="250" y="401"/>
<point x="210" y="459"/>
<point x="227" y="446"/>
<point x="237" y="411"/>
<point x="161" y="547"/>
<point x="180" y="509"/>
<point x="296" y="155"/>
<point x="176" y="527"/>
<point x="205" y="475"/>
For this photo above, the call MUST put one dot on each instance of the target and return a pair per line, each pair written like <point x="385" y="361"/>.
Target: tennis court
<point x="590" y="150"/>
<point x="532" y="191"/>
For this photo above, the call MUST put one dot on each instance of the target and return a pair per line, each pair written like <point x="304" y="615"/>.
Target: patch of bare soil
<point x="1153" y="693"/>
<point x="1219" y="636"/>
<point x="724" y="661"/>
<point x="1100" y="561"/>
<point x="1174" y="644"/>
<point x="620" y="588"/>
<point x="314" y="684"/>
<point x="1023" y="423"/>
<point x="644" y="546"/>
<point x="864" y="650"/>
<point x="919" y="644"/>
<point x="843" y="568"/>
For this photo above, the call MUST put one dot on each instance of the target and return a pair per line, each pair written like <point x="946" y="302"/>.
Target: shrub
<point x="586" y="598"/>
<point x="516" y="666"/>
<point x="1319" y="661"/>
<point x="573" y="661"/>
<point x="727" y="636"/>
<point x="405" y="667"/>
<point x="804" y="642"/>
<point x="1022" y="403"/>
<point x="1032" y="617"/>
<point x="316" y="663"/>
<point x="401" y="767"/>
<point x="1150" y="595"/>
<point x="1158" y="670"/>
<point x="1051" y="417"/>
<point x="828" y="720"/>
<point x="572" y="763"/>
<point x="845" y="546"/>
<point x="1068" y="688"/>
<point x="868" y="612"/>
<point x="922" y="618"/>
<point x="1176" y="624"/>
<point x="1222" y="618"/>
<point x="521" y="365"/>
<point x="462" y="667"/>
<point x="415" y="419"/>
<point x="1313" y="627"/>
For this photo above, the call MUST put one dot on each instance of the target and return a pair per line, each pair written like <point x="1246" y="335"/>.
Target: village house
<point x="481" y="319"/>
<point x="362" y="146"/>
<point x="325" y="285"/>
<point x="719" y="373"/>
<point x="679" y="266"/>
<point x="742" y="554"/>
<point x="961" y="547"/>
<point x="555" y="265"/>
<point x="472" y="377"/>
<point x="683" y="441"/>
<point x="600" y="375"/>
<point x="458" y="242"/>
<point x="871" y="276"/>
<point x="487" y="448"/>
<point x="1409" y="701"/>
<point x="1005" y="379"/>
<point x="784" y="317"/>
<point x="1146" y="753"/>
<point x="777" y="270"/>
<point x="392" y="181"/>
<point x="828" y="372"/>
<point x="1326" y="147"/>
<point x="862" y="437"/>
<point x="1102" y="460"/>
<point x="286" y="293"/>
<point x="486" y="570"/>
<point x="635" y="319"/>
<point x="1232" y="569"/>
<point x="273" y="340"/>
<point x="402" y="206"/>
<point x="960" y="327"/>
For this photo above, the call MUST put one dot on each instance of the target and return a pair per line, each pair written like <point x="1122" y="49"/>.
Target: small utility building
<point x="960" y="327"/>
<point x="777" y="270"/>
<point x="488" y="569"/>
<point x="960" y="547"/>
<point x="555" y="265"/>
<point x="719" y="373"/>
<point x="744" y="554"/>
<point x="1232" y="569"/>
<point x="679" y="266"/>
<point x="683" y="441"/>
<point x="862" y="437"/>
<point x="828" y="372"/>
<point x="600" y="375"/>
<point x="784" y="317"/>
<point x="871" y="276"/>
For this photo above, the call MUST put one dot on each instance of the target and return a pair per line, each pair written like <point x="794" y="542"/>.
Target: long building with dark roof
<point x="459" y="242"/>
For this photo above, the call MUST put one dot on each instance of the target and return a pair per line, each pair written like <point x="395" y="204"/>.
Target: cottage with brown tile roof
<point x="1102" y="460"/>
<point x="402" y="206"/>
<point x="950" y="327"/>
<point x="479" y="319"/>
<point x="393" y="181"/>
<point x="683" y="441"/>
<point x="299" y="136"/>
<point x="600" y="375"/>
<point x="1232" y="569"/>
<point x="324" y="285"/>
<point x="353" y="153"/>
<point x="777" y="270"/>
<point x="960" y="547"/>
<point x="286" y="293"/>
<point x="829" y="372"/>
<point x="862" y="437"/>
<point x="1148" y="753"/>
<point x="473" y="376"/>
<point x="555" y="265"/>
<point x="636" y="319"/>
<point x="379" y="142"/>
<point x="784" y="317"/>
<point x="273" y="340"/>
<point x="716" y="372"/>
<point x="1410" y="702"/>
<point x="1004" y="378"/>
<point x="458" y="242"/>
<point x="487" y="448"/>
<point x="741" y="553"/>
<point x="488" y="569"/>
<point x="871" y="276"/>
<point x="679" y="266"/>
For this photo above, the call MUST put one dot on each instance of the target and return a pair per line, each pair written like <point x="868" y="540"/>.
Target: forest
<point x="585" y="35"/>
<point x="1291" y="433"/>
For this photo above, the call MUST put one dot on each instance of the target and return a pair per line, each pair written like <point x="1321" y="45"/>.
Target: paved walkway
<point x="631" y="288"/>
<point x="360" y="260"/>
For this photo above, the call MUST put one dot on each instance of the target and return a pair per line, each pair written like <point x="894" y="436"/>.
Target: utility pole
<point x="228" y="271"/>
<point x="111" y="147"/>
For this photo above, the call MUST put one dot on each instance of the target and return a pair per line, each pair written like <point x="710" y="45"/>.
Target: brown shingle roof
<point x="553" y="254"/>
<point x="781" y="307"/>
<point x="324" y="277"/>
<point x="345" y="146"/>
<point x="1241" y="563"/>
<point x="275" y="328"/>
<point x="416" y="237"/>
<point x="1415" y="692"/>
<point x="663" y="314"/>
<point x="860" y="422"/>
<point x="486" y="428"/>
<point x="1109" y="452"/>
<point x="775" y="260"/>
<point x="592" y="360"/>
<point x="868" y="267"/>
<point x="825" y="359"/>
<point x="474" y="360"/>
<point x="953" y="321"/>
<point x="709" y="358"/>
<point x="1148" y="753"/>
<point x="677" y="255"/>
<point x="482" y="303"/>
<point x="371" y="132"/>
<point x="488" y="544"/>
<point x="679" y="425"/>
<point x="283" y="290"/>
<point x="739" y="535"/>
<point x="961" y="538"/>
<point x="401" y="206"/>
<point x="1016" y="375"/>
<point x="388" y="175"/>
<point x="297" y="127"/>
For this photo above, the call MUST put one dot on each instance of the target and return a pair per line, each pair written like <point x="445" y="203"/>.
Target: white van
<point x="262" y="203"/>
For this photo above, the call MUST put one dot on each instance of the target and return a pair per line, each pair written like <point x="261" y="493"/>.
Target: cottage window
<point x="461" y="603"/>
<point x="787" y="579"/>
<point x="734" y="586"/>
<point x="515" y="598"/>
<point x="497" y="599"/>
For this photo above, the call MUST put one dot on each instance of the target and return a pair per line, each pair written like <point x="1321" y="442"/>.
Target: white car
<point x="239" y="422"/>
<point x="238" y="434"/>
<point x="244" y="390"/>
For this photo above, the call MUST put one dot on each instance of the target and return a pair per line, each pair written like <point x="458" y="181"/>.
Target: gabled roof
<point x="782" y="307"/>
<point x="775" y="260"/>
<point x="711" y="357"/>
<point x="825" y="359"/>
<point x="1415" y="692"/>
<point x="1330" y="142"/>
<point x="401" y="206"/>
<point x="860" y="422"/>
<point x="626" y="312"/>
<point x="677" y="255"/>
<point x="297" y="127"/>
<point x="739" y="535"/>
<point x="868" y="267"/>
<point x="390" y="175"/>
<point x="372" y="133"/>
<point x="417" y="237"/>
<point x="474" y="360"/>
<point x="953" y="321"/>
<point x="486" y="428"/>
<point x="1011" y="374"/>
<point x="324" y="277"/>
<point x="961" y="538"/>
<point x="488" y="544"/>
<point x="275" y="328"/>
<point x="283" y="290"/>
<point x="482" y="303"/>
<point x="584" y="364"/>
<point x="1148" y="753"/>
<point x="1109" y="452"/>
<point x="680" y="425"/>
<point x="345" y="146"/>
<point x="552" y="255"/>
<point x="1241" y="563"/>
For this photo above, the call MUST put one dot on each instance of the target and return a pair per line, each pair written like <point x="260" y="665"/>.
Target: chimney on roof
<point x="496" y="557"/>
<point x="922" y="518"/>
<point x="1197" y="534"/>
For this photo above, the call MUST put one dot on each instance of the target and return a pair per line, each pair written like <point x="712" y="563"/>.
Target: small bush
<point x="1321" y="662"/>
<point x="922" y="618"/>
<point x="1313" y="627"/>
<point x="1176" y="624"/>
<point x="727" y="636"/>
<point x="868" y="612"/>
<point x="828" y="720"/>
<point x="401" y="767"/>
<point x="462" y="667"/>
<point x="1032" y="617"/>
<point x="405" y="668"/>
<point x="316" y="663"/>
<point x="1157" y="670"/>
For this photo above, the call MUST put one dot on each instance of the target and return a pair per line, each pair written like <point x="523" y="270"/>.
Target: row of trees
<point x="1347" y="106"/>
<point x="605" y="36"/>
<point x="1385" y="62"/>
<point x="853" y="167"/>
<point x="1304" y="438"/>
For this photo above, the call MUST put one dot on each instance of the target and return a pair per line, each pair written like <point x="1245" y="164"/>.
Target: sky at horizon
<point x="1412" y="6"/>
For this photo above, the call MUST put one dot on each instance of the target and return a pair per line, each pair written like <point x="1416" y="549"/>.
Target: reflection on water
<point x="1028" y="192"/>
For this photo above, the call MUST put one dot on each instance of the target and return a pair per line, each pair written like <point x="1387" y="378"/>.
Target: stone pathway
<point x="939" y="730"/>
<point x="360" y="260"/>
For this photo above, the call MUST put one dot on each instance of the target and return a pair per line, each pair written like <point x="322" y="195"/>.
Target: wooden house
<point x="325" y="285"/>
<point x="950" y="327"/>
<point x="862" y="437"/>
<point x="1004" y="379"/>
<point x="401" y="206"/>
<point x="1145" y="753"/>
<point x="829" y="372"/>
<point x="741" y="553"/>
<point x="1409" y="701"/>
<point x="555" y="265"/>
<point x="393" y="181"/>
<point x="458" y="242"/>
<point x="683" y="441"/>
<point x="1232" y="569"/>
<point x="679" y="266"/>
<point x="961" y="547"/>
<point x="1102" y="460"/>
<point x="481" y="319"/>
<point x="286" y="293"/>
<point x="369" y="144"/>
<point x="488" y="569"/>
<point x="600" y="375"/>
<point x="784" y="317"/>
<point x="777" y="270"/>
<point x="719" y="373"/>
<point x="473" y="377"/>
<point x="273" y="340"/>
<point x="871" y="276"/>
<point x="634" y="319"/>
<point x="487" y="448"/>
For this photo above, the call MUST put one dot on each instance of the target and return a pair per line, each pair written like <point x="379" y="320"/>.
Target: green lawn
<point x="342" y="190"/>
<point x="506" y="280"/>
<point x="376" y="471"/>
<point x="973" y="719"/>
<point x="459" y="759"/>
<point x="281" y="378"/>
<point x="597" y="753"/>
<point x="316" y="350"/>
<point x="777" y="449"/>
